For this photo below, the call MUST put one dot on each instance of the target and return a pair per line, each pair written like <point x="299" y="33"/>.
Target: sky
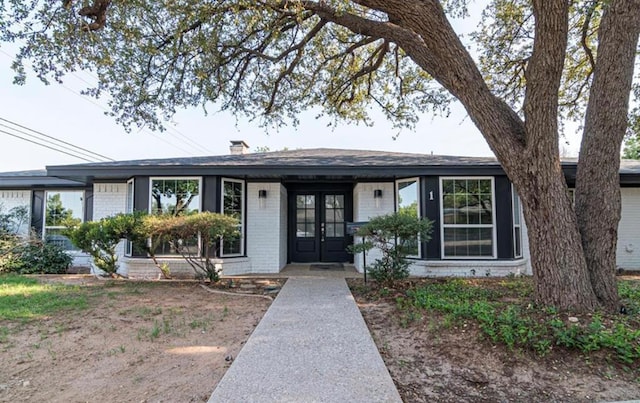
<point x="61" y="112"/>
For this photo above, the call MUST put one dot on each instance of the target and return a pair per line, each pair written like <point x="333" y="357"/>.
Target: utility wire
<point x="45" y="146"/>
<point x="74" y="147"/>
<point x="192" y="142"/>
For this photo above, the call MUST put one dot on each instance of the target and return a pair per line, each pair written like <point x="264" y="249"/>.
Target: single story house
<point x="294" y="206"/>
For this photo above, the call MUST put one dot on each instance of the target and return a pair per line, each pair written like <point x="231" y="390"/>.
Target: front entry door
<point x="319" y="227"/>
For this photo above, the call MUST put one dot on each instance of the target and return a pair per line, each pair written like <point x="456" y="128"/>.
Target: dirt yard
<point x="172" y="341"/>
<point x="430" y="361"/>
<point x="137" y="342"/>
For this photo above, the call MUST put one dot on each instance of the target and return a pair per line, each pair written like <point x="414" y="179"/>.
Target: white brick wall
<point x="365" y="206"/>
<point x="10" y="199"/>
<point x="264" y="228"/>
<point x="142" y="268"/>
<point x="628" y="249"/>
<point x="488" y="268"/>
<point x="110" y="199"/>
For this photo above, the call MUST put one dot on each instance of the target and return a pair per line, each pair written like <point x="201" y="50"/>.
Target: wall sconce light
<point x="262" y="198"/>
<point x="377" y="195"/>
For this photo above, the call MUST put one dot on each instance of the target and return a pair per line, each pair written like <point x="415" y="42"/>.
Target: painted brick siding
<point x="110" y="199"/>
<point x="628" y="249"/>
<point x="364" y="208"/>
<point x="10" y="199"/>
<point x="264" y="232"/>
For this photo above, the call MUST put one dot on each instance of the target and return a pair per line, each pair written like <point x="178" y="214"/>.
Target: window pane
<point x="468" y="242"/>
<point x="175" y="196"/>
<point x="330" y="230"/>
<point x="408" y="197"/>
<point x="518" y="242"/>
<point x="233" y="203"/>
<point x="300" y="201"/>
<point x="516" y="209"/>
<point x="62" y="207"/>
<point x="54" y="236"/>
<point x="467" y="217"/>
<point x="329" y="201"/>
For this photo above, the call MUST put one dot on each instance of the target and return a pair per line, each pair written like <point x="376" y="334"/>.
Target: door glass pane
<point x="334" y="216"/>
<point x="305" y="216"/>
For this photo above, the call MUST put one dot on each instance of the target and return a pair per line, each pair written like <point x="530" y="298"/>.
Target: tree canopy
<point x="538" y="62"/>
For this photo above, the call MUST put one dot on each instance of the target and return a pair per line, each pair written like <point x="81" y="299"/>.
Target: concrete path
<point x="312" y="345"/>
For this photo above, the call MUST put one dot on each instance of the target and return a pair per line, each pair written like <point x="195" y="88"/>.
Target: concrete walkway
<point x="312" y="345"/>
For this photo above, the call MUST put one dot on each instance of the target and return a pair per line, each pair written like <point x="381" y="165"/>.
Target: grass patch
<point x="504" y="314"/>
<point x="25" y="298"/>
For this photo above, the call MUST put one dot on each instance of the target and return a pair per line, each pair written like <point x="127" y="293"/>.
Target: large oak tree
<point x="541" y="61"/>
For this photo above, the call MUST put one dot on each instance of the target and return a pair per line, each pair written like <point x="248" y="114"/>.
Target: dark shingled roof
<point x="35" y="178"/>
<point x="303" y="164"/>
<point x="326" y="163"/>
<point x="318" y="157"/>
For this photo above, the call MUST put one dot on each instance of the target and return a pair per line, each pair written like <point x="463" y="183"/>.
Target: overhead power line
<point x="55" y="141"/>
<point x="45" y="146"/>
<point x="185" y="140"/>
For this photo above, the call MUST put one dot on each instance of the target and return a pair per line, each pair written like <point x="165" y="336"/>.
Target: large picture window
<point x="233" y="205"/>
<point x="174" y="196"/>
<point x="467" y="211"/>
<point x="408" y="202"/>
<point x="62" y="208"/>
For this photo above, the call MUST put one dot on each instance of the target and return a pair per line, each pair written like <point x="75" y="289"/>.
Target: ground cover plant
<point x="27" y="299"/>
<point x="467" y="339"/>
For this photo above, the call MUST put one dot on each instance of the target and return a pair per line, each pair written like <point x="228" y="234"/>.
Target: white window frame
<point x="44" y="212"/>
<point x="150" y="207"/>
<point x="493" y="219"/>
<point x="242" y="211"/>
<point x="517" y="228"/>
<point x="397" y="205"/>
<point x="128" y="247"/>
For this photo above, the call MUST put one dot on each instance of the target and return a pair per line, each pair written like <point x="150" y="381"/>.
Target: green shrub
<point x="36" y="257"/>
<point x="395" y="235"/>
<point x="209" y="227"/>
<point x="100" y="239"/>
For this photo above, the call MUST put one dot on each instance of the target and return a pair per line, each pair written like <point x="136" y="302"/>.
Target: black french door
<point x="317" y="226"/>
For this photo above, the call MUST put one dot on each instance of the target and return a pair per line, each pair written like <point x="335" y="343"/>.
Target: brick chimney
<point x="238" y="147"/>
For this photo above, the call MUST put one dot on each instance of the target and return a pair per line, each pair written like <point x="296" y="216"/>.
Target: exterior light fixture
<point x="262" y="198"/>
<point x="377" y="196"/>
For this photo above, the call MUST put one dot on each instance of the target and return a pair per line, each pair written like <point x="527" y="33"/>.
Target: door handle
<point x="321" y="232"/>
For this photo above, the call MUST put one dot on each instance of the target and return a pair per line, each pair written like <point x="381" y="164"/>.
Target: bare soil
<point x="430" y="360"/>
<point x="165" y="341"/>
<point x="172" y="341"/>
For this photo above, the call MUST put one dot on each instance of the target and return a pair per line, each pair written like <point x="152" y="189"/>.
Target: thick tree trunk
<point x="597" y="181"/>
<point x="528" y="152"/>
